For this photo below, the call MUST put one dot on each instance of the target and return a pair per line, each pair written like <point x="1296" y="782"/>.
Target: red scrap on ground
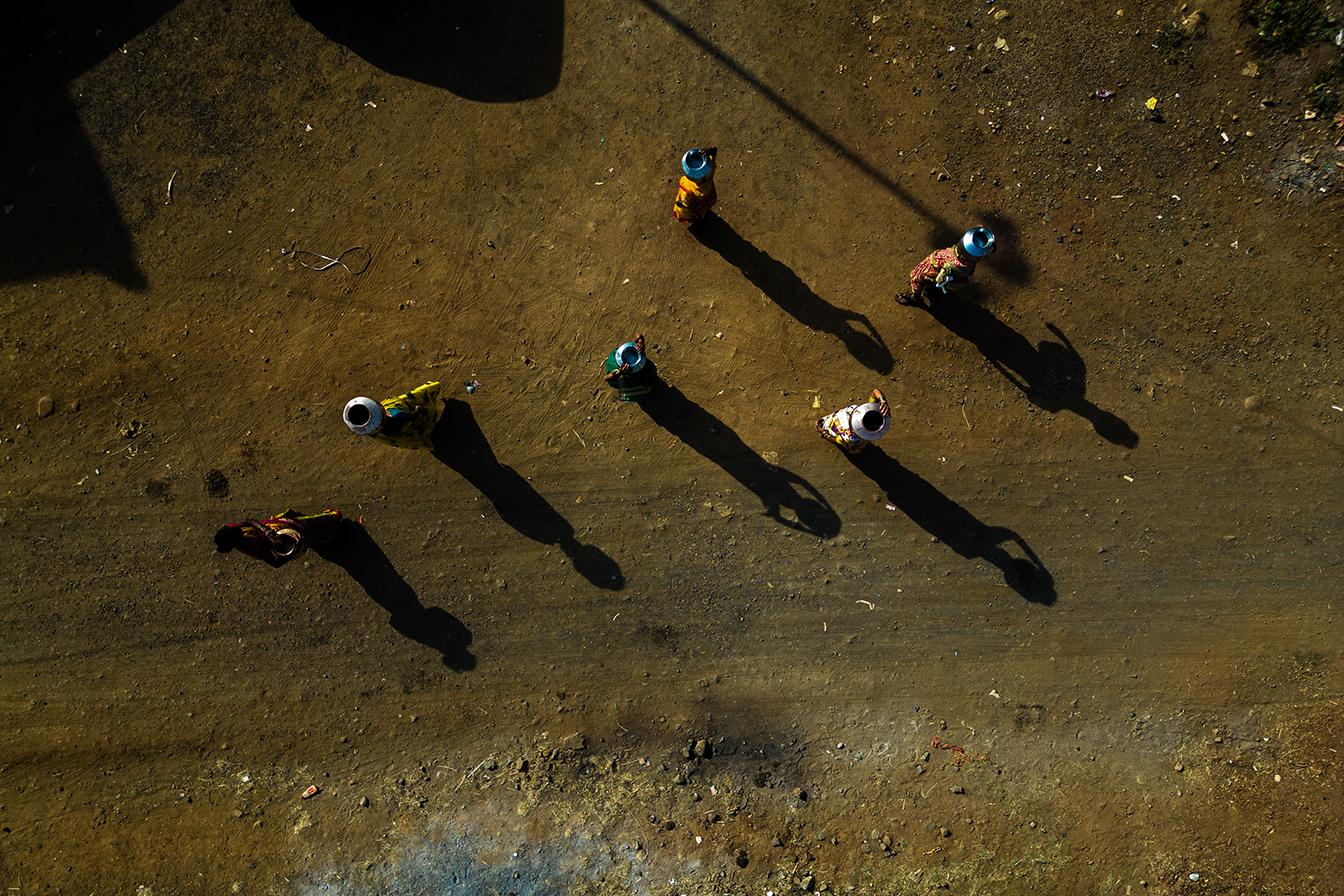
<point x="939" y="745"/>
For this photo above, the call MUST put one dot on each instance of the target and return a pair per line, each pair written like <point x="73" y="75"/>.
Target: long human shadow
<point x="848" y="153"/>
<point x="59" y="213"/>
<point x="777" y="488"/>
<point x="1052" y="375"/>
<point x="355" y="551"/>
<point x="778" y="281"/>
<point x="460" y="444"/>
<point x="493" y="52"/>
<point x="955" y="526"/>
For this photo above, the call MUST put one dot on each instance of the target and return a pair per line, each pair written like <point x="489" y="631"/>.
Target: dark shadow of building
<point x="355" y="551"/>
<point x="787" y="290"/>
<point x="57" y="212"/>
<point x="497" y="51"/>
<point x="1052" y="375"/>
<point x="777" y="488"/>
<point x="460" y="444"/>
<point x="955" y="526"/>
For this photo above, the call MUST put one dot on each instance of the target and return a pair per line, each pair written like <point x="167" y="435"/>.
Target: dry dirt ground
<point x="1072" y="628"/>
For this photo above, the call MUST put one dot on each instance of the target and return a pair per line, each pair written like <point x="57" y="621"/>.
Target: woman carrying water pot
<point x="944" y="269"/>
<point x="853" y="427"/>
<point x="629" y="371"/>
<point x="280" y="538"/>
<point x="406" y="421"/>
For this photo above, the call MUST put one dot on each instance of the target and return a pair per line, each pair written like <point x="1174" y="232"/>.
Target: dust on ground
<point x="1072" y="627"/>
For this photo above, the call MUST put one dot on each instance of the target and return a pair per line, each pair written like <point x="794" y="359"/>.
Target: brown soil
<point x="1073" y="628"/>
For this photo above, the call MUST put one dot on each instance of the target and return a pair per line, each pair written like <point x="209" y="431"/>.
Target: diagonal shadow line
<point x="955" y="526"/>
<point x="460" y="444"/>
<point x="1051" y="375"/>
<point x="791" y="110"/>
<point x="355" y="551"/>
<point x="777" y="488"/>
<point x="787" y="290"/>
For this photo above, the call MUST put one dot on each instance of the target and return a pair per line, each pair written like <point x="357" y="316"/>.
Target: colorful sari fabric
<point x="630" y="386"/>
<point x="839" y="429"/>
<point x="943" y="266"/>
<point x="694" y="199"/>
<point x="281" y="538"/>
<point x="410" y="418"/>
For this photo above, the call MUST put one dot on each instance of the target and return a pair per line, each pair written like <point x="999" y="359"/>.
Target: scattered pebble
<point x="45" y="406"/>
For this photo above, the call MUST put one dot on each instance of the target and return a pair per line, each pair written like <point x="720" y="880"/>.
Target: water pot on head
<point x="286" y="543"/>
<point x="363" y="416"/>
<point x="978" y="242"/>
<point x="629" y="353"/>
<point x="697" y="164"/>
<point x="868" y="422"/>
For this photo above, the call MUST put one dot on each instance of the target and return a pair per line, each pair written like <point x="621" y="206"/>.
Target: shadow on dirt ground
<point x="497" y="52"/>
<point x="59" y="215"/>
<point x="848" y="153"/>
<point x="777" y="488"/>
<point x="355" y="551"/>
<point x="460" y="444"/>
<point x="787" y="290"/>
<point x="1052" y="375"/>
<point x="955" y="526"/>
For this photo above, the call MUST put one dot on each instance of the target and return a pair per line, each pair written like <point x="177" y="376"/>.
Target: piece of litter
<point x="1309" y="114"/>
<point x="370" y="105"/>
<point x="891" y="506"/>
<point x="625" y="281"/>
<point x="1337" y="407"/>
<point x="310" y="792"/>
<point x="1194" y="875"/>
<point x="169" y="200"/>
<point x="472" y="386"/>
<point x="869" y="603"/>
<point x="1226" y="139"/>
<point x="1151" y="104"/>
<point x="816" y="401"/>
<point x="1174" y="196"/>
<point x="718" y="335"/>
<point x="699" y="839"/>
<point x="995" y="695"/>
<point x="1001" y="44"/>
<point x="1127" y="478"/>
<point x="307" y="128"/>
<point x="1104" y="93"/>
